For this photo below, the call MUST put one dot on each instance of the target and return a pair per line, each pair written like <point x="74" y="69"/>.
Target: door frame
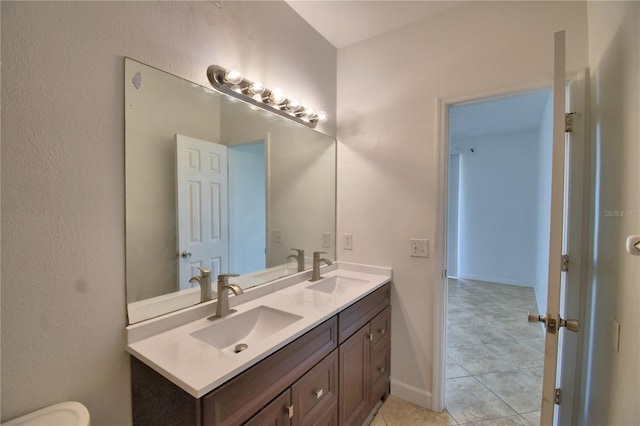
<point x="441" y="154"/>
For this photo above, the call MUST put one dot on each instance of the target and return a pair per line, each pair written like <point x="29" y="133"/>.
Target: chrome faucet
<point x="222" y="307"/>
<point x="315" y="276"/>
<point x="299" y="258"/>
<point x="204" y="280"/>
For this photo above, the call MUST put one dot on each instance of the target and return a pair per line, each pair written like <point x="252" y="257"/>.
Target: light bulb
<point x="309" y="111"/>
<point x="322" y="116"/>
<point x="277" y="96"/>
<point x="294" y="105"/>
<point x="233" y="77"/>
<point x="256" y="88"/>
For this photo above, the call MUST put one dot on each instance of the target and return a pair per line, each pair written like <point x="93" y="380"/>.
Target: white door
<point x="202" y="212"/>
<point x="564" y="281"/>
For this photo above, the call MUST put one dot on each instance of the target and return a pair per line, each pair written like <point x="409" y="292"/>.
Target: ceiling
<point x="344" y="23"/>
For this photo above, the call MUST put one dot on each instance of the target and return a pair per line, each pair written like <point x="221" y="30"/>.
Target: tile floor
<point x="494" y="361"/>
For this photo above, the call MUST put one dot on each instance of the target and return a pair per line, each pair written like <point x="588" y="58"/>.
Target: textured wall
<point x="63" y="290"/>
<point x="387" y="89"/>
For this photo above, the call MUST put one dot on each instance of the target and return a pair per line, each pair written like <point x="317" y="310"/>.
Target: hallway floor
<point x="494" y="356"/>
<point x="494" y="361"/>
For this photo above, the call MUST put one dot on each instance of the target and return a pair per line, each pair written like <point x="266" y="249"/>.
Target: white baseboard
<point x="497" y="280"/>
<point x="411" y="393"/>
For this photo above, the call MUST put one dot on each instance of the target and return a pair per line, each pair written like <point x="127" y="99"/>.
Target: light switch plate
<point x="347" y="242"/>
<point x="276" y="235"/>
<point x="326" y="239"/>
<point x="418" y="247"/>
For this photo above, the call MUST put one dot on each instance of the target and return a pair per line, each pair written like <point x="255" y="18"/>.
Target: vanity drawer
<point x="316" y="393"/>
<point x="240" y="398"/>
<point x="355" y="316"/>
<point x="274" y="414"/>
<point x="380" y="329"/>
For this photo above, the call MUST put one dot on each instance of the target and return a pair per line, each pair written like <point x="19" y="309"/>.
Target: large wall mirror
<point x="214" y="182"/>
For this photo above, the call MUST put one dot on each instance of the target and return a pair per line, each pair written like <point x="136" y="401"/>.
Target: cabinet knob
<point x="318" y="393"/>
<point x="381" y="369"/>
<point x="382" y="331"/>
<point x="289" y="410"/>
<point x="370" y="337"/>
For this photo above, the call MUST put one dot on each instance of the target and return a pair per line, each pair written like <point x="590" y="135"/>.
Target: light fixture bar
<point x="231" y="83"/>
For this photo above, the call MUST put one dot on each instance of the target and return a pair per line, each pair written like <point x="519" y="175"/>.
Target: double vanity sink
<point x="198" y="354"/>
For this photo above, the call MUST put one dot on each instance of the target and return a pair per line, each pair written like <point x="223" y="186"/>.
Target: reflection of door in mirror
<point x="202" y="206"/>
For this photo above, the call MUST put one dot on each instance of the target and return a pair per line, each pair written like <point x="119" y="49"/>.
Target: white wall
<point x="387" y="87"/>
<point x="545" y="145"/>
<point x="63" y="289"/>
<point x="611" y="378"/>
<point x="498" y="211"/>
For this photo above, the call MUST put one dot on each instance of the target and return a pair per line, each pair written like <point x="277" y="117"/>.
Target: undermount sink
<point x="336" y="284"/>
<point x="245" y="328"/>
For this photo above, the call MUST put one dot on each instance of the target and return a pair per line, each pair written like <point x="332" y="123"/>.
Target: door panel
<point x="564" y="280"/>
<point x="202" y="215"/>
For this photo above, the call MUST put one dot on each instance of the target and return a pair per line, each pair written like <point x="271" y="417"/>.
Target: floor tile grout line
<point x="497" y="396"/>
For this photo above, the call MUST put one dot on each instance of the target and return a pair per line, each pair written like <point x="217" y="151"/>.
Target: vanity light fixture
<point x="231" y="83"/>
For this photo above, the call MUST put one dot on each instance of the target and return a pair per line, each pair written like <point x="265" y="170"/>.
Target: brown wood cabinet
<point x="313" y="380"/>
<point x="364" y="369"/>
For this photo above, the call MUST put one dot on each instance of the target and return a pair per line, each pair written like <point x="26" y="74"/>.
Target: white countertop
<point x="166" y="345"/>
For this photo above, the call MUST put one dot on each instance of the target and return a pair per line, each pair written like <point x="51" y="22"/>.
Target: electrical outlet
<point x="326" y="239"/>
<point x="347" y="242"/>
<point x="418" y="248"/>
<point x="276" y="235"/>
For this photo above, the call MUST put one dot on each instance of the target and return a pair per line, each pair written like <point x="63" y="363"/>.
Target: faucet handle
<point x="318" y="253"/>
<point x="300" y="251"/>
<point x="204" y="271"/>
<point x="225" y="277"/>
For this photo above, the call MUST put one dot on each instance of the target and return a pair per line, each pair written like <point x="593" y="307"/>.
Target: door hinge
<point x="568" y="122"/>
<point x="558" y="396"/>
<point x="565" y="263"/>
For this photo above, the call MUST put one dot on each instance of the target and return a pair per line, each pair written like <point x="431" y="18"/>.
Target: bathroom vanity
<point x="329" y="365"/>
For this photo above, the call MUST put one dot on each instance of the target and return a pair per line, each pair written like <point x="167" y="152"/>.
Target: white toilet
<point x="69" y="413"/>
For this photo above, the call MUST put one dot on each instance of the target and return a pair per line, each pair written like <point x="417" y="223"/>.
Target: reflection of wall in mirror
<point x="302" y="193"/>
<point x="155" y="112"/>
<point x="301" y="187"/>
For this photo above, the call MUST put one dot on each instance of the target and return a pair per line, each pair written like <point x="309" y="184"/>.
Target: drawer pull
<point x="371" y="337"/>
<point x="289" y="410"/>
<point x="318" y="393"/>
<point x="382" y="331"/>
<point x="381" y="369"/>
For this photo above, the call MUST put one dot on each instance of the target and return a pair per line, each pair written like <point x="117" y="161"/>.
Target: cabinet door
<point x="379" y="375"/>
<point x="315" y="395"/>
<point x="274" y="414"/>
<point x="354" y="378"/>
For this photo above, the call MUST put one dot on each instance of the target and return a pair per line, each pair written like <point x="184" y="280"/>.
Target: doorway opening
<point x="497" y="255"/>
